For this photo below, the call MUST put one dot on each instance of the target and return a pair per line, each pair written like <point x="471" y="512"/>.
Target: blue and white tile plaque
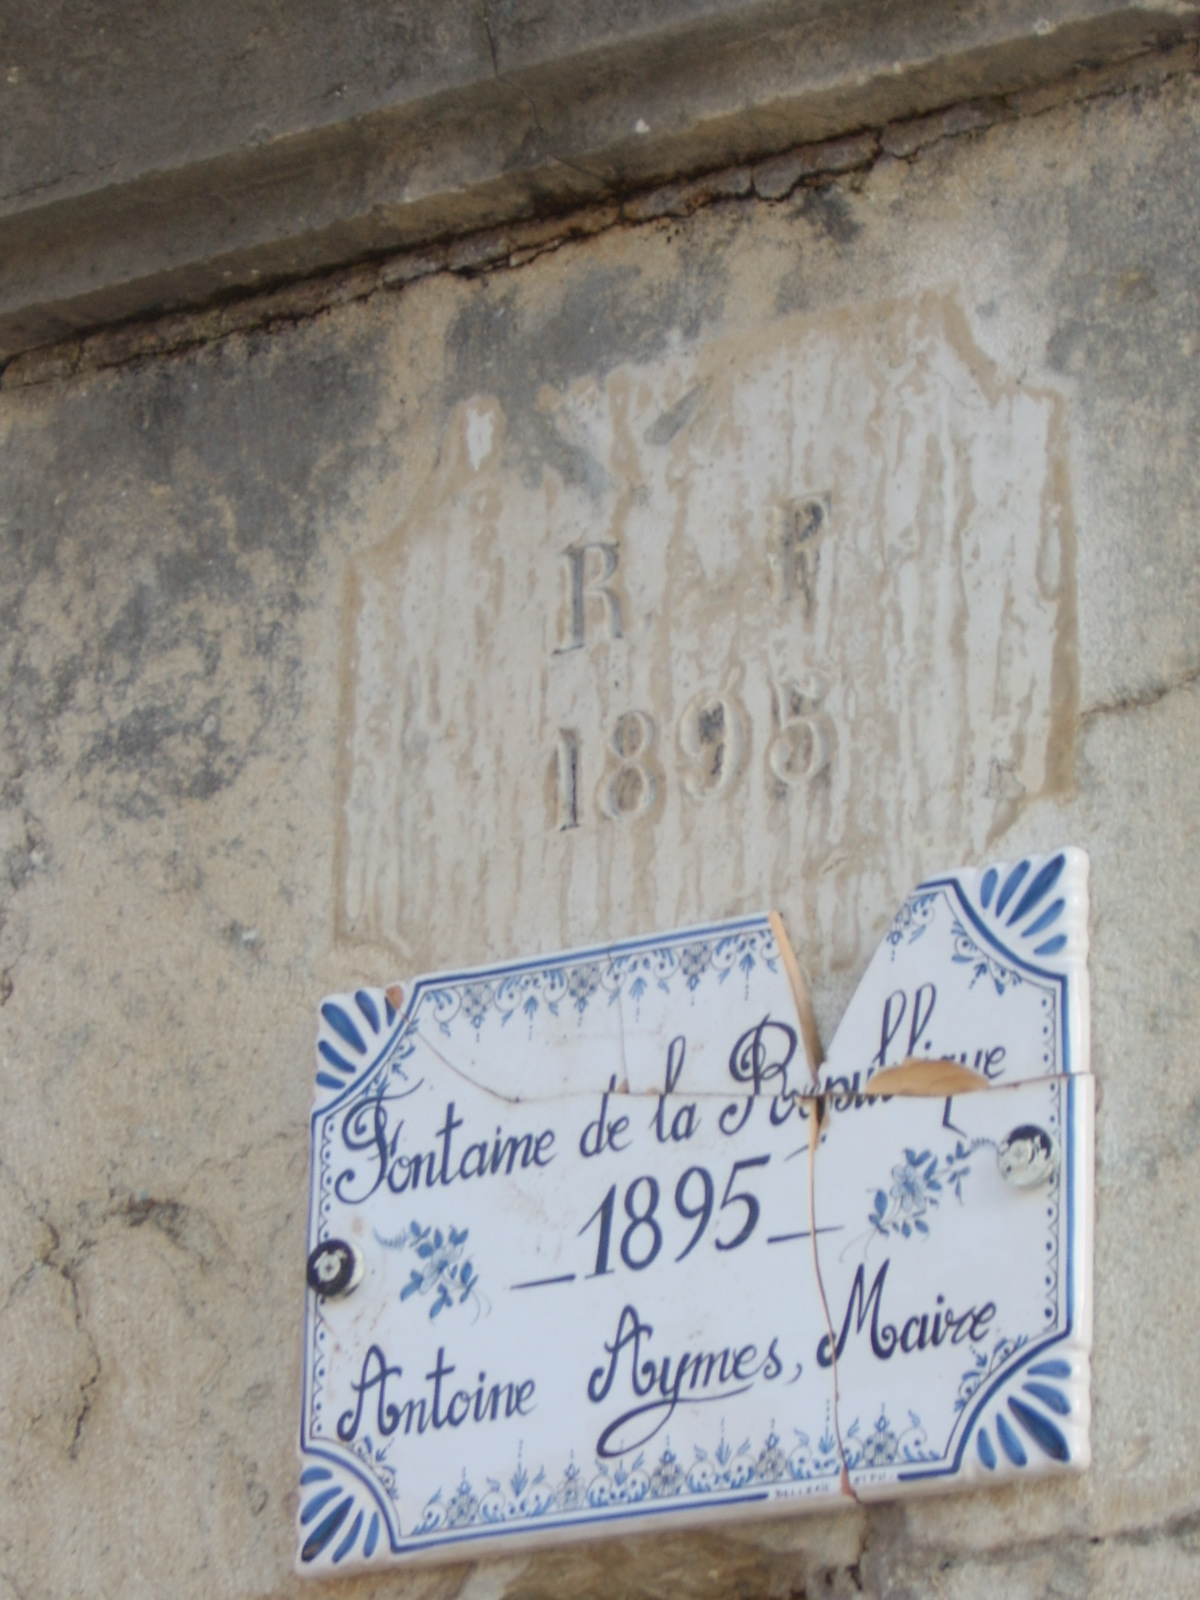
<point x="595" y="1246"/>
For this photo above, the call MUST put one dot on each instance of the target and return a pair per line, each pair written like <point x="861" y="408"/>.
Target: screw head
<point x="335" y="1268"/>
<point x="1028" y="1157"/>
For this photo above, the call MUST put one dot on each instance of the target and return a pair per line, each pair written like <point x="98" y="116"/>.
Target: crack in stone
<point x="1180" y="1527"/>
<point x="525" y="96"/>
<point x="487" y="28"/>
<point x="174" y="1219"/>
<point x="18" y="1591"/>
<point x="1141" y="699"/>
<point x="888" y="1562"/>
<point x="66" y="1270"/>
<point x="237" y="1158"/>
<point x="521" y="241"/>
<point x="89" y="1384"/>
<point x="816" y="1119"/>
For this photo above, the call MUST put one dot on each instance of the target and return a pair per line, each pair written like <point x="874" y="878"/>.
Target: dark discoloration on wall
<point x="830" y="208"/>
<point x="187" y="500"/>
<point x="501" y="345"/>
<point x="172" y="538"/>
<point x="827" y="213"/>
<point x="1125" y="301"/>
<point x="1124" y="337"/>
<point x="676" y="417"/>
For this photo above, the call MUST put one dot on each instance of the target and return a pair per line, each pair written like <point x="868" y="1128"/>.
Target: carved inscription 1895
<point x="813" y="639"/>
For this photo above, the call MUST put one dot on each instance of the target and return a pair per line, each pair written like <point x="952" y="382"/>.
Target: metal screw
<point x="1028" y="1157"/>
<point x="335" y="1268"/>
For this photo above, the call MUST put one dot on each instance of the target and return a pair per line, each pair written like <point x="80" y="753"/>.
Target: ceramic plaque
<point x="597" y="1243"/>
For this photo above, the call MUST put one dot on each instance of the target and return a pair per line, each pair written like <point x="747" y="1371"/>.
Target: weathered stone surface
<point x="776" y="178"/>
<point x="187" y="544"/>
<point x="162" y="160"/>
<point x="815" y="589"/>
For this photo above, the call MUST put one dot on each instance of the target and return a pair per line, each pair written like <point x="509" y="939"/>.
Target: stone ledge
<point x="774" y="178"/>
<point x="539" y="113"/>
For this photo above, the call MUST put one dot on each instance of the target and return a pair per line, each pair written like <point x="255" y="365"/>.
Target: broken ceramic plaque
<point x="958" y="1295"/>
<point x="588" y="1254"/>
<point x="987" y="968"/>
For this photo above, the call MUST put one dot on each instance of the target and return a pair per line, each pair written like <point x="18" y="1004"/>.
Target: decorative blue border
<point x="1035" y="926"/>
<point x="350" y="1027"/>
<point x="353" y="1026"/>
<point x="1041" y="1429"/>
<point x="1038" y="919"/>
<point x="341" y="1036"/>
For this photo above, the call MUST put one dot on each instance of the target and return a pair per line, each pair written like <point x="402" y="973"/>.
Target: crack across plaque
<point x="789" y="1004"/>
<point x="913" y="1078"/>
<point x="891" y="1170"/>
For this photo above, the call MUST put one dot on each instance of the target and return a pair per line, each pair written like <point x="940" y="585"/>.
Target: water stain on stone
<point x="680" y="414"/>
<point x="855" y="704"/>
<point x="828" y="210"/>
<point x="168" y="515"/>
<point x="506" y="345"/>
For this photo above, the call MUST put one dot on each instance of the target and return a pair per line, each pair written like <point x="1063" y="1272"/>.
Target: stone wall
<point x="161" y="154"/>
<point x="852" y="499"/>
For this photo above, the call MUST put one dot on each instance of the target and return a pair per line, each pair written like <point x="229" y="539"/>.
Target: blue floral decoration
<point x="525" y="1495"/>
<point x="443" y="1272"/>
<point x="602" y="977"/>
<point x="918" y="1185"/>
<point x="1020" y="905"/>
<point x="886" y="1444"/>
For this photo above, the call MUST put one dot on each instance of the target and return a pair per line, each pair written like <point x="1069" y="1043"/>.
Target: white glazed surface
<point x="621" y="1141"/>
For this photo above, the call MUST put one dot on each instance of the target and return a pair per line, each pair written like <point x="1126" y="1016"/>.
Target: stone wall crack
<point x="513" y="245"/>
<point x="1141" y="699"/>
